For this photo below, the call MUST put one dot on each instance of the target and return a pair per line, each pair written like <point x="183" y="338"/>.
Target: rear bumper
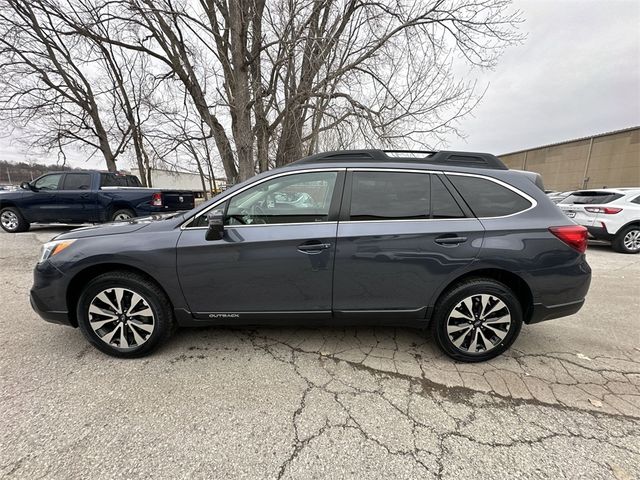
<point x="542" y="312"/>
<point x="599" y="233"/>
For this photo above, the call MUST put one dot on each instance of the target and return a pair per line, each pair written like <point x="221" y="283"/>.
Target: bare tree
<point x="46" y="86"/>
<point x="273" y="80"/>
<point x="180" y="139"/>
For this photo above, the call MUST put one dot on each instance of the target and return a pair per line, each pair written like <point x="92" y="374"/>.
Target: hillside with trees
<point x="16" y="173"/>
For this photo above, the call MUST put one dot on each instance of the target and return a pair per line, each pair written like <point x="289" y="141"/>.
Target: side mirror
<point x="215" y="219"/>
<point x="26" y="186"/>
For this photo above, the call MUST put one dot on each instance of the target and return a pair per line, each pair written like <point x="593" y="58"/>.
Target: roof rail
<point x="418" y="153"/>
<point x="460" y="159"/>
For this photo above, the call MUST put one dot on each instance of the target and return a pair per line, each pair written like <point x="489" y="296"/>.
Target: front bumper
<point x="48" y="294"/>
<point x="53" y="316"/>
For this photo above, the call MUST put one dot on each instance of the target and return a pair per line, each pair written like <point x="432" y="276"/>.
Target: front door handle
<point x="313" y="246"/>
<point x="450" y="240"/>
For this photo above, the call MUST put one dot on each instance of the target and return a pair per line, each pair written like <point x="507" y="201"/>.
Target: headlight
<point x="53" y="248"/>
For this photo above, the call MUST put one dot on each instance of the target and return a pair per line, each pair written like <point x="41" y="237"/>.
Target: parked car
<point x="611" y="214"/>
<point x="86" y="197"/>
<point x="452" y="240"/>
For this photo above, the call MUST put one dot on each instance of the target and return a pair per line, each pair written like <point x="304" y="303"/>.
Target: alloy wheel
<point x="478" y="324"/>
<point x="121" y="318"/>
<point x="122" y="217"/>
<point x="9" y="220"/>
<point x="631" y="240"/>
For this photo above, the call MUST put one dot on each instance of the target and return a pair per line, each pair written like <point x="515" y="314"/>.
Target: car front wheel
<point x="12" y="220"/>
<point x="477" y="320"/>
<point x="124" y="314"/>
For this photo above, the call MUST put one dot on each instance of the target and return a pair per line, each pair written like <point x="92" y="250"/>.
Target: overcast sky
<point x="576" y="74"/>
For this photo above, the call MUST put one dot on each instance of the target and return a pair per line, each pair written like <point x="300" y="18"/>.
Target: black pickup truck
<point x="77" y="197"/>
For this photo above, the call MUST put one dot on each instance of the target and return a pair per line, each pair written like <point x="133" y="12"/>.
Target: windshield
<point x="589" y="198"/>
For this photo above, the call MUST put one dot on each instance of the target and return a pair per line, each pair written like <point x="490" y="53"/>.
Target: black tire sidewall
<point x="149" y="291"/>
<point x="467" y="289"/>
<point x="618" y="242"/>
<point x="122" y="210"/>
<point x="23" y="225"/>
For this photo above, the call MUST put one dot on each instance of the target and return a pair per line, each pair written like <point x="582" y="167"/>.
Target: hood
<point x="116" y="228"/>
<point x="10" y="194"/>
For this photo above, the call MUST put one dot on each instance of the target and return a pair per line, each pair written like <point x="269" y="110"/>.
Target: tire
<point x="12" y="220"/>
<point x="463" y="327"/>
<point x="147" y="321"/>
<point x="122" y="215"/>
<point x="627" y="240"/>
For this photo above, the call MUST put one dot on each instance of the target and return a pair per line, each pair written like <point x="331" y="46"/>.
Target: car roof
<point x="60" y="172"/>
<point x="410" y="158"/>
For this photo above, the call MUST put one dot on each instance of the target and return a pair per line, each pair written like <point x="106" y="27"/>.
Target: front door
<point x="276" y="254"/>
<point x="401" y="235"/>
<point x="40" y="205"/>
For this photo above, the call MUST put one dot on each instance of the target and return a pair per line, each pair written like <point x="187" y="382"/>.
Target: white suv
<point x="609" y="214"/>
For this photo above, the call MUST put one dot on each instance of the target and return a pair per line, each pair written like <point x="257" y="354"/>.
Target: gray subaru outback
<point x="452" y="241"/>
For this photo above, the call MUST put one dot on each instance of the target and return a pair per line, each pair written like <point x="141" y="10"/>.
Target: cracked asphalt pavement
<point x="564" y="402"/>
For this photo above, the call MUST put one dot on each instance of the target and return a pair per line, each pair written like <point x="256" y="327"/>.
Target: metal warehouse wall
<point x="610" y="159"/>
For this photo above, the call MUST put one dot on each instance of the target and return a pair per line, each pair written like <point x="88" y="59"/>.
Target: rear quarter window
<point x="487" y="198"/>
<point x="590" y="198"/>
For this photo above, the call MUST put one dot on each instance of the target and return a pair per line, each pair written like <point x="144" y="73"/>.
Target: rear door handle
<point x="450" y="240"/>
<point x="313" y="246"/>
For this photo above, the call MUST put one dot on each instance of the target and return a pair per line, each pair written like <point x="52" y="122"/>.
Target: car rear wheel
<point x="122" y="215"/>
<point x="124" y="314"/>
<point x="477" y="320"/>
<point x="628" y="240"/>
<point x="12" y="220"/>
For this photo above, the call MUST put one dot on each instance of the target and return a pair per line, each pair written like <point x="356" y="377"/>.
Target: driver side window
<point x="48" y="182"/>
<point x="296" y="198"/>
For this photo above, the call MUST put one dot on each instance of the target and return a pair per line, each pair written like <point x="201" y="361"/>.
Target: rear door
<point x="76" y="200"/>
<point x="401" y="235"/>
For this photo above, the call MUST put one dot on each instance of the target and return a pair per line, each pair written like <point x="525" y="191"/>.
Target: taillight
<point x="607" y="210"/>
<point x="574" y="235"/>
<point x="156" y="199"/>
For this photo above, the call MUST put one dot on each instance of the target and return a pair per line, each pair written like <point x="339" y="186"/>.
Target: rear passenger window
<point x="389" y="196"/>
<point x="133" y="181"/>
<point x="443" y="205"/>
<point x="487" y="198"/>
<point x="77" y="181"/>
<point x="113" y="180"/>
